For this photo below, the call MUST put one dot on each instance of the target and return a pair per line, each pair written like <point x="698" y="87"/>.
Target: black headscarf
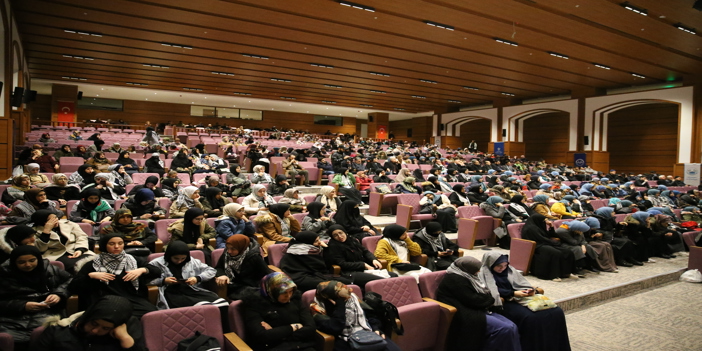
<point x="18" y="233"/>
<point x="122" y="160"/>
<point x="348" y="215"/>
<point x="181" y="161"/>
<point x="518" y="199"/>
<point x="40" y="217"/>
<point x="88" y="178"/>
<point x="94" y="136"/>
<point x="534" y="227"/>
<point x="169" y="184"/>
<point x="176" y="248"/>
<point x="151" y="179"/>
<point x="36" y="279"/>
<point x="98" y="144"/>
<point x="334" y="227"/>
<point x="279" y="209"/>
<point x="306" y="237"/>
<point x="191" y="232"/>
<point x="394" y="231"/>
<point x="104" y="239"/>
<point x="460" y="188"/>
<point x="88" y="192"/>
<point x="211" y="196"/>
<point x="314" y="208"/>
<point x="280" y="178"/>
<point x="110" y="308"/>
<point x="433" y="228"/>
<point x="417" y="173"/>
<point x="233" y="167"/>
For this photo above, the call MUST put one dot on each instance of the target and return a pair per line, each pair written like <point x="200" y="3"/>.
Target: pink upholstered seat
<point x="429" y="282"/>
<point x="216" y="254"/>
<point x="164" y="329"/>
<point x="408" y="210"/>
<point x="521" y="252"/>
<point x="515" y="230"/>
<point x="275" y="254"/>
<point x="140" y="178"/>
<point x="161" y="229"/>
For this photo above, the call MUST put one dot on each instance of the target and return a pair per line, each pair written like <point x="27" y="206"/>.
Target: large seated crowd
<point x="102" y="232"/>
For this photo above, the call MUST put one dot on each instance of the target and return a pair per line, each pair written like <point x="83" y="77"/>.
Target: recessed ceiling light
<point x="255" y="56"/>
<point x="630" y="7"/>
<point x="555" y="54"/>
<point x="470" y="88"/>
<point x="356" y="6"/>
<point x="80" y="32"/>
<point x="320" y="65"/>
<point x="684" y="28"/>
<point x="602" y="66"/>
<point x="379" y="74"/>
<point x="507" y="42"/>
<point x="637" y="75"/>
<point x="179" y="46"/>
<point x="439" y="25"/>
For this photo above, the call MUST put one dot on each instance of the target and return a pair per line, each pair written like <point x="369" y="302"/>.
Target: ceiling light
<point x="379" y="74"/>
<point x="328" y="102"/>
<point x="192" y="89"/>
<point x="377" y="91"/>
<point x="439" y="25"/>
<point x="281" y="80"/>
<point x="454" y="101"/>
<point x="223" y="73"/>
<point x="356" y="6"/>
<point x="320" y="65"/>
<point x="637" y="75"/>
<point x="630" y="7"/>
<point x="366" y="105"/>
<point x="73" y="31"/>
<point x="555" y="54"/>
<point x="399" y="109"/>
<point x="683" y="28"/>
<point x="503" y="41"/>
<point x="155" y="66"/>
<point x="419" y="97"/>
<point x="333" y="86"/>
<point x="507" y="94"/>
<point x="179" y="46"/>
<point x="288" y="98"/>
<point x="470" y="88"/>
<point x="256" y="56"/>
<point x="79" y="57"/>
<point x="138" y="84"/>
<point x="74" y="78"/>
<point x="427" y="81"/>
<point x="239" y="93"/>
<point x="602" y="66"/>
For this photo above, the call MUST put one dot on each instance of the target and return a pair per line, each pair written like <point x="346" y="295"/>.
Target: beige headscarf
<point x="231" y="209"/>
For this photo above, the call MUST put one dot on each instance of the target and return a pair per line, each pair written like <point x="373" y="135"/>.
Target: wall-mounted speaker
<point x="441" y="126"/>
<point x="697" y="5"/>
<point x="409" y="132"/>
<point x="80" y="95"/>
<point x="504" y="133"/>
<point x="17" y="97"/>
<point x="370" y="119"/>
<point x="29" y="96"/>
<point x="586" y="140"/>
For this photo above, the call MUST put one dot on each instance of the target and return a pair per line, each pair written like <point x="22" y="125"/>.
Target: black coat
<point x="253" y="268"/>
<point x="14" y="319"/>
<point x="458" y="292"/>
<point x="307" y="271"/>
<point x="138" y="210"/>
<point x="279" y="316"/>
<point x="57" y="338"/>
<point x="62" y="193"/>
<point x="351" y="256"/>
<point x="435" y="262"/>
<point x="157" y="191"/>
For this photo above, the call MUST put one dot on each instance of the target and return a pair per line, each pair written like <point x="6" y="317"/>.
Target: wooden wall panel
<point x="546" y="136"/>
<point x="643" y="138"/>
<point x="41" y="109"/>
<point x="478" y="130"/>
<point x="421" y="129"/>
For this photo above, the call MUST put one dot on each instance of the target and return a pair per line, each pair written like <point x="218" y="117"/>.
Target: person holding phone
<point x="441" y="251"/>
<point x="543" y="330"/>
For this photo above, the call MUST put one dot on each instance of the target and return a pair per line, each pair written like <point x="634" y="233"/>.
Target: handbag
<point x="406" y="267"/>
<point x="537" y="302"/>
<point x="199" y="342"/>
<point x="366" y="340"/>
<point x="383" y="189"/>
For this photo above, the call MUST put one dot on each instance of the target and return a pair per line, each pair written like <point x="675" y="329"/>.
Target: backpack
<point x="199" y="342"/>
<point x="386" y="312"/>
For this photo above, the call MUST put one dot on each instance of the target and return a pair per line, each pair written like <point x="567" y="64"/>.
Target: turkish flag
<point x="382" y="132"/>
<point x="66" y="111"/>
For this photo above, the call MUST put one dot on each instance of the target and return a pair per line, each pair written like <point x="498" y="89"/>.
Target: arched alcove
<point x="477" y="129"/>
<point x="546" y="136"/>
<point x="643" y="138"/>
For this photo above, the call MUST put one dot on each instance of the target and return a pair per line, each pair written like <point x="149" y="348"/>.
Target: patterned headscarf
<point x="274" y="284"/>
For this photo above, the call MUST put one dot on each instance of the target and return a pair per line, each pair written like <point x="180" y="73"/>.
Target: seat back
<point x="164" y="329"/>
<point x="275" y="253"/>
<point x="216" y="254"/>
<point x="308" y="296"/>
<point x="87" y="228"/>
<point x="400" y="291"/>
<point x="371" y="242"/>
<point x="689" y="238"/>
<point x="161" y="229"/>
<point x="118" y="203"/>
<point x="470" y="211"/>
<point x="236" y="319"/>
<point x="429" y="283"/>
<point x="140" y="178"/>
<point x="515" y="230"/>
<point x="410" y="200"/>
<point x="521" y="252"/>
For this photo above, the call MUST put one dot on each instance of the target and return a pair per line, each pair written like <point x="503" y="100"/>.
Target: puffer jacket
<point x="270" y="227"/>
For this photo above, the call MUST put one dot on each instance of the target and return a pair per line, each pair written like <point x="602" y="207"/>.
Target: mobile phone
<point x="181" y="280"/>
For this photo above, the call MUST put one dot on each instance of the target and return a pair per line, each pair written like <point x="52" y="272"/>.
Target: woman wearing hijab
<point x="346" y="183"/>
<point x="259" y="201"/>
<point x="14" y="236"/>
<point x="151" y="183"/>
<point x="303" y="261"/>
<point x="82" y="151"/>
<point x="638" y="229"/>
<point x="432" y="184"/>
<point x="122" y="178"/>
<point x="135" y="234"/>
<point x="606" y="260"/>
<point x="329" y="198"/>
<point x="572" y="236"/>
<point x="59" y="190"/>
<point x="84" y="176"/>
<point x="143" y="206"/>
<point x="279" y="186"/>
<point x="397" y="249"/>
<point x="292" y="198"/>
<point x="463" y="289"/>
<point x="36" y="178"/>
<point x="440" y="251"/>
<point x="276" y="226"/>
<point x="32" y="289"/>
<point x="671" y="238"/>
<point x="338" y="311"/>
<point x="541" y="207"/>
<point x="241" y="267"/>
<point x="622" y="247"/>
<point x="155" y="164"/>
<point x="543" y="330"/>
<point x="233" y="221"/>
<point x="182" y="163"/>
<point x="194" y="231"/>
<point x="354" y="259"/>
<point x="99" y="161"/>
<point x="109" y="190"/>
<point x="214" y="202"/>
<point x="20" y="184"/>
<point x="260" y="176"/>
<point x="188" y="198"/>
<point x="476" y="194"/>
<point x="60" y="239"/>
<point x="108" y="324"/>
<point x="316" y="220"/>
<point x="349" y="216"/>
<point x="441" y="207"/>
<point x="64" y="151"/>
<point x="563" y="208"/>
<point x="402" y="174"/>
<point x="169" y="187"/>
<point x="130" y="166"/>
<point x="239" y="184"/>
<point x="91" y="209"/>
<point x="275" y="318"/>
<point x="493" y="207"/>
<point x="115" y="272"/>
<point x="518" y="208"/>
<point x="459" y="197"/>
<point x="552" y="260"/>
<point x="182" y="278"/>
<point x="407" y="187"/>
<point x="34" y="200"/>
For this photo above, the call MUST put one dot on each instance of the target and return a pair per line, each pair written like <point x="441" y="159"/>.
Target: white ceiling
<point x="43" y="87"/>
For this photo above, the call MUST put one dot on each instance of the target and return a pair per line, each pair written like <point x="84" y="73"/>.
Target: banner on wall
<point x="382" y="132"/>
<point x="692" y="173"/>
<point x="66" y="111"/>
<point x="499" y="149"/>
<point x="580" y="160"/>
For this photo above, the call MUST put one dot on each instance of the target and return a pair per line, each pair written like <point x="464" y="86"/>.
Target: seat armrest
<point x="274" y="268"/>
<point x="447" y="314"/>
<point x="158" y="246"/>
<point x="153" y="294"/>
<point x="72" y="305"/>
<point x="221" y="291"/>
<point x="324" y="341"/>
<point x="336" y="269"/>
<point x="460" y="253"/>
<point x="259" y="239"/>
<point x="383" y="263"/>
<point x="420" y="259"/>
<point x="233" y="342"/>
<point x="213" y="242"/>
<point x="443" y="305"/>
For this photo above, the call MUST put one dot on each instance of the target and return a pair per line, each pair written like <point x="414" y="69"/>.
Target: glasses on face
<point x="198" y="218"/>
